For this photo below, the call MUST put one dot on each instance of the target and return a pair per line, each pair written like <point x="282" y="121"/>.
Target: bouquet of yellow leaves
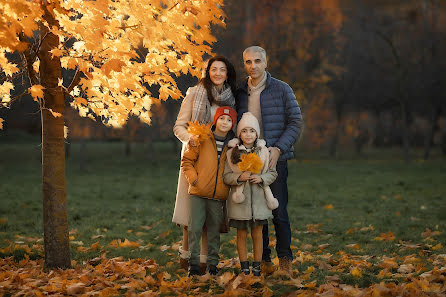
<point x="253" y="163"/>
<point x="250" y="162"/>
<point x="201" y="131"/>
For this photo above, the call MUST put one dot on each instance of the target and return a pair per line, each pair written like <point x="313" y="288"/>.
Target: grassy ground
<point x="336" y="207"/>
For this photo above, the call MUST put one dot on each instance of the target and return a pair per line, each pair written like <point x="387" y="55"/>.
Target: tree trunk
<point x="176" y="147"/>
<point x="249" y="23"/>
<point x="55" y="223"/>
<point x="335" y="139"/>
<point x="83" y="155"/>
<point x="149" y="149"/>
<point x="429" y="140"/>
<point x="128" y="140"/>
<point x="128" y="148"/>
<point x="405" y="131"/>
<point x="443" y="143"/>
<point x="67" y="149"/>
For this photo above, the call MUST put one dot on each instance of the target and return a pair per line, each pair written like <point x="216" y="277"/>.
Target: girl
<point x="216" y="88"/>
<point x="249" y="207"/>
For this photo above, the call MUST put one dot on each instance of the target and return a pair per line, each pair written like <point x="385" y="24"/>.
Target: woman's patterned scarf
<point x="201" y="110"/>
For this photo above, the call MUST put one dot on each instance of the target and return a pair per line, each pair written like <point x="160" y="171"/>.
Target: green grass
<point x="132" y="197"/>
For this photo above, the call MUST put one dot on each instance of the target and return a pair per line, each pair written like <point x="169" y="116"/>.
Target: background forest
<point x="366" y="74"/>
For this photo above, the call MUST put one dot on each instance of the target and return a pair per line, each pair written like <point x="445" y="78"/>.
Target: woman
<point x="215" y="89"/>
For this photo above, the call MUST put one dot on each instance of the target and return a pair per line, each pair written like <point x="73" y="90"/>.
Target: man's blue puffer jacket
<point x="281" y="117"/>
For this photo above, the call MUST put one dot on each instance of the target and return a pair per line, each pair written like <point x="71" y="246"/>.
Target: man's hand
<point x="274" y="155"/>
<point x="244" y="176"/>
<point x="255" y="179"/>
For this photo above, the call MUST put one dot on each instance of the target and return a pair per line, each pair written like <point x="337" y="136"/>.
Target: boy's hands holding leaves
<point x="193" y="140"/>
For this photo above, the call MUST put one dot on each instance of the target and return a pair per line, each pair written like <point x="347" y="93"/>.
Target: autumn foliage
<point x="123" y="56"/>
<point x="118" y="50"/>
<point x="102" y="276"/>
<point x="250" y="162"/>
<point x="201" y="131"/>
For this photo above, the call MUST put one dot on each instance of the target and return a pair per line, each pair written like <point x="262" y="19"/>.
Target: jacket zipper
<point x="218" y="164"/>
<point x="216" y="179"/>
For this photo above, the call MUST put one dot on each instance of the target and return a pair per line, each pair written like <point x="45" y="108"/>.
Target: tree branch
<point x="74" y="82"/>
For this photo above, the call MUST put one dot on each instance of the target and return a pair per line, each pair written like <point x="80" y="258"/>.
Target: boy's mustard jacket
<point x="203" y="170"/>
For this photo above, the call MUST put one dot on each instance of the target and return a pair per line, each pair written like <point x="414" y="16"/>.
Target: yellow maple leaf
<point x="353" y="246"/>
<point x="311" y="285"/>
<point x="36" y="92"/>
<point x="54" y="113"/>
<point x="56" y="52"/>
<point x="356" y="272"/>
<point x="112" y="65"/>
<point x="202" y="131"/>
<point x="36" y="65"/>
<point x="389" y="236"/>
<point x="437" y="247"/>
<point x="250" y="162"/>
<point x="1" y="123"/>
<point x="385" y="273"/>
<point x="329" y="206"/>
<point x="10" y="69"/>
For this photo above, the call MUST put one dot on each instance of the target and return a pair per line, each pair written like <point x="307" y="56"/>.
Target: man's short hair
<point x="256" y="49"/>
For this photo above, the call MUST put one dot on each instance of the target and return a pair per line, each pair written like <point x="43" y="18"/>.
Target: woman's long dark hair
<point x="231" y="80"/>
<point x="235" y="154"/>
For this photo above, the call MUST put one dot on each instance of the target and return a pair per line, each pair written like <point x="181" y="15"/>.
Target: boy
<point x="203" y="165"/>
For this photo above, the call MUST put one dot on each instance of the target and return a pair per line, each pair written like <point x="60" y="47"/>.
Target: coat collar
<point x="244" y="86"/>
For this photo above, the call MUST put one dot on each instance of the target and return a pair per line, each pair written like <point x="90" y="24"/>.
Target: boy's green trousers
<point x="209" y="213"/>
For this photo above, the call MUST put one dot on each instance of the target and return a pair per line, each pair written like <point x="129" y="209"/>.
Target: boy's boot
<point x="256" y="270"/>
<point x="184" y="258"/>
<point x="213" y="270"/>
<point x="194" y="270"/>
<point x="203" y="259"/>
<point x="244" y="267"/>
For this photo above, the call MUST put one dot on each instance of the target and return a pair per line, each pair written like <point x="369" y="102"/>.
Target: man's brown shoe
<point x="267" y="267"/>
<point x="285" y="265"/>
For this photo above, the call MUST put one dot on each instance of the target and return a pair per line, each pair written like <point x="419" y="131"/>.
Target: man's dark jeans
<point x="280" y="220"/>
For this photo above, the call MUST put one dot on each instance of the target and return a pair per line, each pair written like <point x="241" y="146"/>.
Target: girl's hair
<point x="235" y="154"/>
<point x="207" y="82"/>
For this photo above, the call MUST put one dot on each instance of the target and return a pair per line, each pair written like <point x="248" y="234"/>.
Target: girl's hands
<point x="244" y="176"/>
<point x="255" y="179"/>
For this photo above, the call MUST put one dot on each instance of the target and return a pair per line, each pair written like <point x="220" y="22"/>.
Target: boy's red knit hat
<point x="225" y="110"/>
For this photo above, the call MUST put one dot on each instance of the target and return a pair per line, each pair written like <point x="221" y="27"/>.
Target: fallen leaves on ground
<point x="142" y="277"/>
<point x="419" y="271"/>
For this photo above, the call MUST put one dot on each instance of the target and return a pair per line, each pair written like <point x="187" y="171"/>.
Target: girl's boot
<point x="244" y="267"/>
<point x="256" y="268"/>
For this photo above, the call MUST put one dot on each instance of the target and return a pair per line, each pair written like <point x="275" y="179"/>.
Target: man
<point x="273" y="103"/>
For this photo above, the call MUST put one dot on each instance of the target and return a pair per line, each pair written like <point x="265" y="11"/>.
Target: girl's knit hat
<point x="225" y="110"/>
<point x="248" y="120"/>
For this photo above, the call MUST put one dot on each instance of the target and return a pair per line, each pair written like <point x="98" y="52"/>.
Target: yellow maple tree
<point x="122" y="55"/>
<point x="117" y="49"/>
